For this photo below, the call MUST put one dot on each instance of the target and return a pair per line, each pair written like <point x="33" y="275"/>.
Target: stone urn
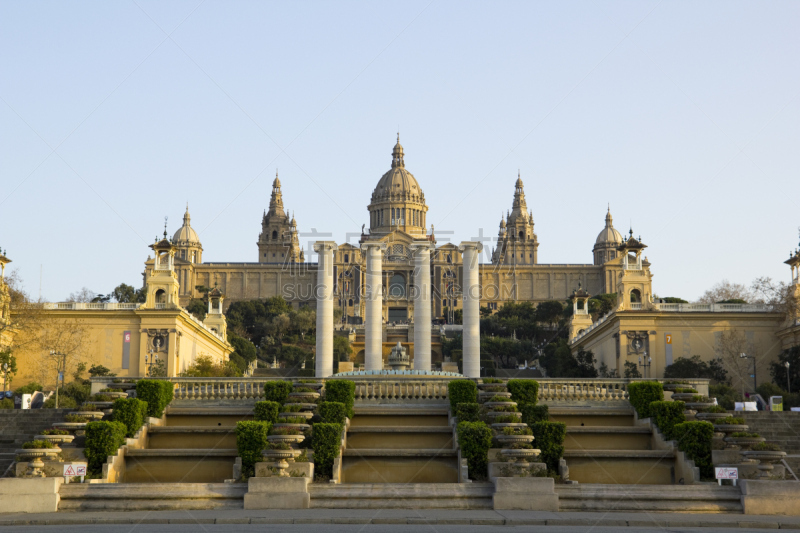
<point x="297" y="414"/>
<point x="727" y="429"/>
<point x="316" y="386"/>
<point x="494" y="414"/>
<point x="94" y="415"/>
<point x="673" y="386"/>
<point x="766" y="459"/>
<point x="485" y="395"/>
<point x="280" y="459"/>
<point x="36" y="458"/>
<point x="506" y="440"/>
<point x="302" y="406"/>
<point x="301" y="396"/>
<point x="500" y="425"/>
<point x="77" y="427"/>
<point x="522" y="455"/>
<point x="290" y="425"/>
<point x="744" y="442"/>
<point x="288" y="439"/>
<point x="711" y="417"/>
<point x="492" y="387"/>
<point x="116" y="394"/>
<point x="56" y="439"/>
<point x="698" y="406"/>
<point x="500" y="404"/>
<point x="101" y="405"/>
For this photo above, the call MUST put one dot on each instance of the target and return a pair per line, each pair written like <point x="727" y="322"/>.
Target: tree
<point x="205" y="367"/>
<point x="730" y="347"/>
<point x="693" y="367"/>
<point x="125" y="294"/>
<point x="631" y="370"/>
<point x="559" y="362"/>
<point x="602" y="304"/>
<point x="777" y="369"/>
<point x="85" y="295"/>
<point x="549" y="312"/>
<point x="725" y="291"/>
<point x="198" y="308"/>
<point x="242" y="348"/>
<point x="341" y="348"/>
<point x="781" y="296"/>
<point x="97" y="371"/>
<point x="6" y="358"/>
<point x="673" y="300"/>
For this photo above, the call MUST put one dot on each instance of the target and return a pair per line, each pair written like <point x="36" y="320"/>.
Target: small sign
<point x="669" y="338"/>
<point x="74" y="469"/>
<point x="724" y="472"/>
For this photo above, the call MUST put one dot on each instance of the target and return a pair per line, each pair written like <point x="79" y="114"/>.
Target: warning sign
<point x="74" y="469"/>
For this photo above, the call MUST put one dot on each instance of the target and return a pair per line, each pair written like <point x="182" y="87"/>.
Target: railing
<point x="636" y="307"/>
<point x="401" y="390"/>
<point x="714" y="308"/>
<point x="107" y="306"/>
<point x="219" y="388"/>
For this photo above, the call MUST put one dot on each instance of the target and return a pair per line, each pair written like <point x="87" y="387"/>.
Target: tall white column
<point x="324" y="294"/>
<point x="373" y="314"/>
<point x="422" y="305"/>
<point x="471" y="291"/>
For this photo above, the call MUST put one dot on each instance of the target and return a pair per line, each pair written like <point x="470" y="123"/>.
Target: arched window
<point x="346" y="258"/>
<point x="397" y="286"/>
<point x="350" y="303"/>
<point x="521" y="235"/>
<point x="636" y="296"/>
<point x="274" y="235"/>
<point x="161" y="296"/>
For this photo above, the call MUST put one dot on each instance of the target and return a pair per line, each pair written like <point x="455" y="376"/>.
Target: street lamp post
<point x="788" y="379"/>
<point x="745" y="356"/>
<point x="149" y="362"/>
<point x="61" y="364"/>
<point x="646" y="364"/>
<point x="5" y="377"/>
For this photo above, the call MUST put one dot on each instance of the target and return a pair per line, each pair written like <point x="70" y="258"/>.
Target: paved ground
<point x="390" y="520"/>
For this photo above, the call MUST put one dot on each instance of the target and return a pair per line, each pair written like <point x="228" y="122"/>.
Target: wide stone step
<point x="689" y="498"/>
<point x="146" y="496"/>
<point x="179" y="465"/>
<point x="188" y="437"/>
<point x="608" y="438"/>
<point x="402" y="496"/>
<point x="621" y="467"/>
<point x="395" y="452"/>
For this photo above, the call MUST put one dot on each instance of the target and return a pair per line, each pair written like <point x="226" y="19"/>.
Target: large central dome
<point x="398" y="202"/>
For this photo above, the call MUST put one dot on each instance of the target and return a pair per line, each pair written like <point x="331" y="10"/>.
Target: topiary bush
<point x="102" y="440"/>
<point x="475" y="439"/>
<point x="326" y="439"/>
<point x="549" y="439"/>
<point x="38" y="445"/>
<point x="251" y="440"/>
<point x="277" y="391"/>
<point x="694" y="439"/>
<point x="468" y="412"/>
<point x="534" y="413"/>
<point x="6" y="403"/>
<point x="666" y="416"/>
<point x="266" y="411"/>
<point x="342" y="391"/>
<point x="157" y="393"/>
<point x="642" y="393"/>
<point x="131" y="412"/>
<point x="461" y="391"/>
<point x="523" y="391"/>
<point x="332" y="412"/>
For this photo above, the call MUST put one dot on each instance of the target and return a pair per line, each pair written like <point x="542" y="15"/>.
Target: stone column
<point x="471" y="291"/>
<point x="323" y="292"/>
<point x="373" y="314"/>
<point x="422" y="304"/>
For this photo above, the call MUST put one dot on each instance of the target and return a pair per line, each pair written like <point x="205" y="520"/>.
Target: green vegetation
<point x="523" y="391"/>
<point x="251" y="440"/>
<point x="131" y="412"/>
<point x="532" y="414"/>
<point x="730" y="421"/>
<point x="332" y="412"/>
<point x="156" y="393"/>
<point x="693" y="367"/>
<point x="475" y="439"/>
<point x="765" y="447"/>
<point x="38" y="445"/>
<point x="549" y="438"/>
<point x="642" y="394"/>
<point x="55" y="432"/>
<point x="277" y="391"/>
<point x="726" y="395"/>
<point x="694" y="439"/>
<point x="266" y="411"/>
<point x="468" y="412"/>
<point x="342" y="391"/>
<point x="325" y="441"/>
<point x="666" y="416"/>
<point x="461" y="391"/>
<point x="103" y="439"/>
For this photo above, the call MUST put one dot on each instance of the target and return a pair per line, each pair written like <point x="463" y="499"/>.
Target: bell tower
<point x="278" y="241"/>
<point x="636" y="281"/>
<point x="215" y="319"/>
<point x="162" y="285"/>
<point x="581" y="319"/>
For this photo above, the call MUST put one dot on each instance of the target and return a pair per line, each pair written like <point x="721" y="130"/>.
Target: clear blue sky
<point x="684" y="116"/>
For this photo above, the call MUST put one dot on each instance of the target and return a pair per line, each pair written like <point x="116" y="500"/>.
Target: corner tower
<point x="186" y="241"/>
<point x="607" y="242"/>
<point x="517" y="243"/>
<point x="278" y="241"/>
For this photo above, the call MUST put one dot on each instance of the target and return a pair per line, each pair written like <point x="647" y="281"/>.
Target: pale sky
<point x="684" y="116"/>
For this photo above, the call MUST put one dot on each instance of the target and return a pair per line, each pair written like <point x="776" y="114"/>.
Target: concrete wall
<point x="39" y="495"/>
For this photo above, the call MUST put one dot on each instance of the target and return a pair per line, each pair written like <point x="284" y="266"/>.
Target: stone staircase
<point x="781" y="428"/>
<point x="402" y="496"/>
<point x="605" y="446"/>
<point x="18" y="426"/>
<point x="400" y="444"/>
<point x="150" y="496"/>
<point x="698" y="498"/>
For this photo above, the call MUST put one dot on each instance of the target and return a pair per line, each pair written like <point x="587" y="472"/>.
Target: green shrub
<point x="6" y="403"/>
<point x="131" y="412"/>
<point x="157" y="393"/>
<point x="102" y="440"/>
<point x="534" y="413"/>
<point x="277" y="391"/>
<point x="549" y="439"/>
<point x="715" y="409"/>
<point x="523" y="391"/>
<point x="28" y="389"/>
<point x="266" y="411"/>
<point x="468" y="412"/>
<point x="342" y="391"/>
<point x="745" y="435"/>
<point x="38" y="445"/>
<point x="765" y="447"/>
<point x="461" y="391"/>
<point x="332" y="412"/>
<point x="64" y="402"/>
<point x="75" y="419"/>
<point x="326" y="439"/>
<point x="475" y="439"/>
<point x="55" y="432"/>
<point x="694" y="439"/>
<point x="293" y="420"/>
<point x="666" y="416"/>
<point x="251" y="440"/>
<point x="499" y="399"/>
<point x="726" y="395"/>
<point x="685" y="391"/>
<point x="491" y="380"/>
<point x="730" y="420"/>
<point x="642" y="394"/>
<point x="507" y="419"/>
<point x="101" y="398"/>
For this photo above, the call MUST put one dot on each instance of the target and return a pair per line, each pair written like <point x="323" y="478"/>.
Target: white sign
<point x="74" y="469"/>
<point x="745" y="406"/>
<point x="726" y="473"/>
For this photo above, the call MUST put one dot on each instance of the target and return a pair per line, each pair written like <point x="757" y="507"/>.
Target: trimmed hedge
<point x="277" y="391"/>
<point x="468" y="412"/>
<point x="549" y="439"/>
<point x="461" y="391"/>
<point x="102" y="440"/>
<point x="342" y="391"/>
<point x="332" y="412"/>
<point x="326" y="440"/>
<point x="642" y="394"/>
<point x="251" y="439"/>
<point x="131" y="412"/>
<point x="523" y="391"/>
<point x="157" y="393"/>
<point x="475" y="439"/>
<point x="666" y="416"/>
<point x="266" y="411"/>
<point x="534" y="413"/>
<point x="694" y="439"/>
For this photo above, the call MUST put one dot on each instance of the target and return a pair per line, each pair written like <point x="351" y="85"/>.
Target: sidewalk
<point x="405" y="516"/>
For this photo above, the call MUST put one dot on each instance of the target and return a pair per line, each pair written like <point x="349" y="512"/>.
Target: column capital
<point x="322" y="246"/>
<point x="380" y="245"/>
<point x="474" y="245"/>
<point x="422" y="245"/>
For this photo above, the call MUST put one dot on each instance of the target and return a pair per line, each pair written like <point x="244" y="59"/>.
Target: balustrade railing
<point x="401" y="390"/>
